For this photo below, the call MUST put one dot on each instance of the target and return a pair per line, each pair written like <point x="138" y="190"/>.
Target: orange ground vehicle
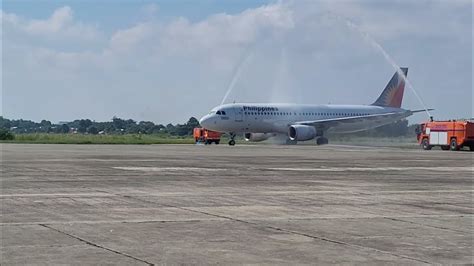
<point x="202" y="135"/>
<point x="451" y="134"/>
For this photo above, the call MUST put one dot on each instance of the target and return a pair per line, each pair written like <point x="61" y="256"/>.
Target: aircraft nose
<point x="204" y="121"/>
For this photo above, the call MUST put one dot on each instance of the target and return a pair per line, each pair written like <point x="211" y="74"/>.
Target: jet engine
<point x="255" y="137"/>
<point x="301" y="132"/>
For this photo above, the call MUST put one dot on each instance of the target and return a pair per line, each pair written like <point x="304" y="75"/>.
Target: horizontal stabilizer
<point x="422" y="110"/>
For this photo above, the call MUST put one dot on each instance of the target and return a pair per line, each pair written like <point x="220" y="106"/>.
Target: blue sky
<point x="111" y="14"/>
<point x="165" y="61"/>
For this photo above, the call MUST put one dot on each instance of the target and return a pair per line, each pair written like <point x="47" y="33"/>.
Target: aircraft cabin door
<point x="239" y="114"/>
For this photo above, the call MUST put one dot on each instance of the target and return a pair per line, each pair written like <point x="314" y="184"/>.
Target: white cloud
<point x="129" y="38"/>
<point x="59" y="20"/>
<point x="61" y="25"/>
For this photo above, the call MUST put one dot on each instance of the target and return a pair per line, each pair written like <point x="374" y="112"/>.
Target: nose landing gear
<point x="232" y="139"/>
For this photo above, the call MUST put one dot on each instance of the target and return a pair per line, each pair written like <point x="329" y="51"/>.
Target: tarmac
<point x="248" y="204"/>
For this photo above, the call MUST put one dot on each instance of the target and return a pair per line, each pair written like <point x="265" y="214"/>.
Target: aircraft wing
<point x="325" y="124"/>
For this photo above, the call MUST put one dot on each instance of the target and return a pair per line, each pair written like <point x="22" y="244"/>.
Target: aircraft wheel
<point x="322" y="141"/>
<point x="231" y="142"/>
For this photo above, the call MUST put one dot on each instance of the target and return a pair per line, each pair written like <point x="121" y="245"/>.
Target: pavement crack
<point x="283" y="230"/>
<point x="97" y="245"/>
<point x="343" y="243"/>
<point x="427" y="225"/>
<point x="305" y="235"/>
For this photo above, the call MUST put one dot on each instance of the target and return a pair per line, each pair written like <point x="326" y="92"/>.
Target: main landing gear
<point x="232" y="139"/>
<point x="322" y="141"/>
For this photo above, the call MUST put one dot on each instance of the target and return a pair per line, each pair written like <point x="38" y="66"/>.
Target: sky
<point x="165" y="61"/>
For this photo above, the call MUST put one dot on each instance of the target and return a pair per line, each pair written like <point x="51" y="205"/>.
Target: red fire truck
<point x="448" y="135"/>
<point x="202" y="135"/>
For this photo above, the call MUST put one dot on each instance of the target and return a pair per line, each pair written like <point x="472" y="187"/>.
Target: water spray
<point x="387" y="57"/>
<point x="237" y="74"/>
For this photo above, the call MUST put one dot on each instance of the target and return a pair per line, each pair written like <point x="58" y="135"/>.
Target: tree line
<point x="87" y="126"/>
<point x="396" y="129"/>
<point x="128" y="126"/>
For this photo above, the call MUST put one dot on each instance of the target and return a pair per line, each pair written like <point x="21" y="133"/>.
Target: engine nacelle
<point x="255" y="137"/>
<point x="301" y="132"/>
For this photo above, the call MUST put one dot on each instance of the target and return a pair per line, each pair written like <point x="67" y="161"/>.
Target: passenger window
<point x="218" y="112"/>
<point x="223" y="112"/>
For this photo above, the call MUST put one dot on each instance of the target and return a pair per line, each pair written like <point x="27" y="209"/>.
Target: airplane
<point x="303" y="122"/>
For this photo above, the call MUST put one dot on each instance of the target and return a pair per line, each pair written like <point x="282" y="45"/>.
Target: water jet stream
<point x="387" y="57"/>
<point x="237" y="74"/>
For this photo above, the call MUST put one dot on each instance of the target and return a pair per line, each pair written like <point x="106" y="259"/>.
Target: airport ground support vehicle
<point x="202" y="135"/>
<point x="449" y="135"/>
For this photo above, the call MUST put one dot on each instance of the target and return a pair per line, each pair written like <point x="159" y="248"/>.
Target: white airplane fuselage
<point x="276" y="118"/>
<point x="302" y="122"/>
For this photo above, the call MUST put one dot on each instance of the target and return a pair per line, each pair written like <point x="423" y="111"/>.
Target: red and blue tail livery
<point x="392" y="95"/>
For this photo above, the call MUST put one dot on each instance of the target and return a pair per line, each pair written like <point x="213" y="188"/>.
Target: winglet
<point x="392" y="95"/>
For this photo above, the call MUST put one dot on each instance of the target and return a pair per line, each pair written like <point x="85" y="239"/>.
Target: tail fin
<point x="392" y="95"/>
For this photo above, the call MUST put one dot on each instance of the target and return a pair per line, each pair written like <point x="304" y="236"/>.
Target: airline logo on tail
<point x="392" y="95"/>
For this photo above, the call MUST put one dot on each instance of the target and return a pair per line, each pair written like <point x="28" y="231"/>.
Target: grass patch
<point x="44" y="138"/>
<point x="98" y="139"/>
<point x="400" y="142"/>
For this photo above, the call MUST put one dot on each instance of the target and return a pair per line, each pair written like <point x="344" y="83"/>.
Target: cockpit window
<point x="223" y="112"/>
<point x="218" y="112"/>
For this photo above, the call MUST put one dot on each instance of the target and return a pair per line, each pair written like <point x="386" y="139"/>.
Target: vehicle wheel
<point x="445" y="148"/>
<point x="232" y="142"/>
<point x="471" y="148"/>
<point x="454" y="145"/>
<point x="217" y="142"/>
<point x="425" y="143"/>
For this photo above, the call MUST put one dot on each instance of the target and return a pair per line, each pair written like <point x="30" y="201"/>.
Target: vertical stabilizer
<point x="392" y="95"/>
